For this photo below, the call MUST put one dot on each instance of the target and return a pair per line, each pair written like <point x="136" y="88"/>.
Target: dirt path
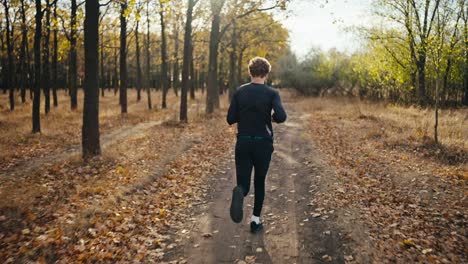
<point x="295" y="231"/>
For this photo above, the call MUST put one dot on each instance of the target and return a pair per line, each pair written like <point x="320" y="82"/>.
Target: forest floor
<point x="350" y="182"/>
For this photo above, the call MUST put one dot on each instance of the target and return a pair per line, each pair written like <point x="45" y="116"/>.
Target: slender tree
<point x="187" y="61"/>
<point x="23" y="56"/>
<point x="90" y="130"/>
<point x="46" y="69"/>
<point x="55" y="59"/>
<point x="212" y="94"/>
<point x="123" y="57"/>
<point x="192" y="75"/>
<point x="102" y="77"/>
<point x="9" y="44"/>
<point x="138" y="64"/>
<point x="115" y="79"/>
<point x="465" y="51"/>
<point x="175" y="67"/>
<point x="36" y="119"/>
<point x="232" y="62"/>
<point x="3" y="61"/>
<point x="148" y="57"/>
<point x="73" y="57"/>
<point x="164" y="66"/>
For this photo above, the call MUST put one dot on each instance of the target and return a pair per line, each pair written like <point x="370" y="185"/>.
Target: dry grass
<point x="397" y="124"/>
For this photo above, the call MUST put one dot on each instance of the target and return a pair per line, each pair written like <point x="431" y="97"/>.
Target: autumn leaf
<point x="408" y="243"/>
<point x="119" y="169"/>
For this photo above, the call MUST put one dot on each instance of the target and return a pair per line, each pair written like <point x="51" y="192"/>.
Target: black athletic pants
<point x="253" y="153"/>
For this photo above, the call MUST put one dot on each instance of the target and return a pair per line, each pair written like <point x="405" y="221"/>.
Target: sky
<point x="312" y="23"/>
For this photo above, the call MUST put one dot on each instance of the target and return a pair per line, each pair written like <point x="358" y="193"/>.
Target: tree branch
<point x="432" y="18"/>
<point x="223" y="31"/>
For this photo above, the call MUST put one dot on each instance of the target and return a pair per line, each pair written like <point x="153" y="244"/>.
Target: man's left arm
<point x="279" y="116"/>
<point x="233" y="112"/>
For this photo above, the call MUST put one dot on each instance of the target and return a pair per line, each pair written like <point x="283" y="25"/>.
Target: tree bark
<point x="164" y="73"/>
<point x="240" y="61"/>
<point x="193" y="78"/>
<point x="123" y="58"/>
<point x="90" y="130"/>
<point x="148" y="56"/>
<point x="137" y="51"/>
<point x="101" y="64"/>
<point x="30" y="69"/>
<point x="175" y="67"/>
<point x="24" y="42"/>
<point x="186" y="62"/>
<point x="232" y="63"/>
<point x="115" y="79"/>
<point x="212" y="91"/>
<point x="36" y="121"/>
<point x="436" y="125"/>
<point x="421" y="64"/>
<point x="55" y="59"/>
<point x="465" y="73"/>
<point x="46" y="70"/>
<point x="10" y="69"/>
<point x="73" y="57"/>
<point x="4" y="65"/>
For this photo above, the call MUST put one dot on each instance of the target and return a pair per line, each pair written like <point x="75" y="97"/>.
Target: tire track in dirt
<point x="28" y="166"/>
<point x="292" y="234"/>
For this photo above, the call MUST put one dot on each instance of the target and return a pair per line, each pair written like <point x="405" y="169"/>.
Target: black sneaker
<point x="255" y="228"/>
<point x="237" y="203"/>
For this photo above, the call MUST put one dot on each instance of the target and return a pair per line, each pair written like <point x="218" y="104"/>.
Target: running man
<point x="251" y="108"/>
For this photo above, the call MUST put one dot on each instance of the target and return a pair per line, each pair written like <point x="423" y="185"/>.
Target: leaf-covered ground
<point x="361" y="183"/>
<point x="61" y="128"/>
<point x="401" y="198"/>
<point x="118" y="207"/>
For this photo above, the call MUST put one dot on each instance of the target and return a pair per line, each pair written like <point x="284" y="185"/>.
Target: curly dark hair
<point x="259" y="67"/>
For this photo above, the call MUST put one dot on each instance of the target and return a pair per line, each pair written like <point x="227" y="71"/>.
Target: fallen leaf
<point x="409" y="243"/>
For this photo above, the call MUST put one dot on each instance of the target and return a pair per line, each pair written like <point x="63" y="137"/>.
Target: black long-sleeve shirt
<point x="251" y="107"/>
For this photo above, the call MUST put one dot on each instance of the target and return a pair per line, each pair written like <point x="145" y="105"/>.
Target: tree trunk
<point x="164" y="73"/>
<point x="101" y="64"/>
<point x="175" y="67"/>
<point x="10" y="69"/>
<point x="123" y="58"/>
<point x="220" y="75"/>
<point x="24" y="42"/>
<point x="115" y="79"/>
<point x="465" y="74"/>
<point x="36" y="118"/>
<point x="187" y="61"/>
<point x="90" y="130"/>
<point x="436" y="139"/>
<point x="148" y="65"/>
<point x="445" y="80"/>
<point x="73" y="57"/>
<point x="4" y="65"/>
<point x="55" y="59"/>
<point x="137" y="47"/>
<point x="46" y="70"/>
<point x="232" y="63"/>
<point x="212" y="92"/>
<point x="193" y="78"/>
<point x="240" y="61"/>
<point x="422" y="81"/>
<point x="30" y="69"/>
